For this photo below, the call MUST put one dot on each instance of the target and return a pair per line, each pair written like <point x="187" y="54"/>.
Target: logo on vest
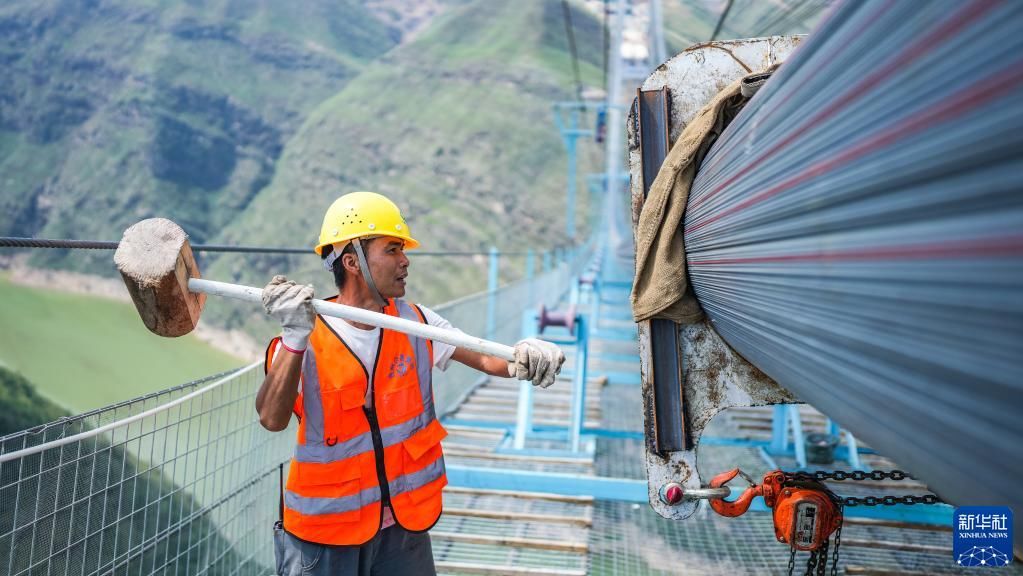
<point x="399" y="366"/>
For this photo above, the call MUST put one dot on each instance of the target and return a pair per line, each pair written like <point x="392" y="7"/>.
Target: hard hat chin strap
<point x="364" y="266"/>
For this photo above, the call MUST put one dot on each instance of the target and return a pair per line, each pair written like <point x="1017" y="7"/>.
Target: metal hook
<point x="740" y="505"/>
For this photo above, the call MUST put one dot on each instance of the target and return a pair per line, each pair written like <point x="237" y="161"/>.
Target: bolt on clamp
<point x="673" y="493"/>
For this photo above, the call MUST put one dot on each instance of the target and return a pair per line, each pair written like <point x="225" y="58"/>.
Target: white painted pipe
<point x="453" y="337"/>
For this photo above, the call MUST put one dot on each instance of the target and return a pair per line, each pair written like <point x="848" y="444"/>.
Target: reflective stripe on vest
<point x="333" y="493"/>
<point x="406" y="483"/>
<point x="391" y="435"/>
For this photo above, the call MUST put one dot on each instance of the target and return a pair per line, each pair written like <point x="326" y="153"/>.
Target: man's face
<point x="388" y="265"/>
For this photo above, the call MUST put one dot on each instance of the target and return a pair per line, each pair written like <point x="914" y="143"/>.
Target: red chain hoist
<point x="805" y="512"/>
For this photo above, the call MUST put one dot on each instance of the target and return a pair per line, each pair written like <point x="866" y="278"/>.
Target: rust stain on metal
<point x="718" y="46"/>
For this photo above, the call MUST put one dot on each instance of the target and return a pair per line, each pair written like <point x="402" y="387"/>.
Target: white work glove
<point x="536" y="360"/>
<point x="291" y="305"/>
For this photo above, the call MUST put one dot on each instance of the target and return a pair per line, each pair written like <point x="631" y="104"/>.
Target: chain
<point x="838" y="544"/>
<point x="891" y="500"/>
<point x="811" y="564"/>
<point x="821" y="475"/>
<point x="822" y="556"/>
<point x="840" y="475"/>
<point x="816" y="564"/>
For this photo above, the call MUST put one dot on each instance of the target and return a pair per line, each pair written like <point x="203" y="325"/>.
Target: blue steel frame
<point x="786" y="414"/>
<point x="524" y="412"/>
<point x="566" y="118"/>
<point x="492" y="278"/>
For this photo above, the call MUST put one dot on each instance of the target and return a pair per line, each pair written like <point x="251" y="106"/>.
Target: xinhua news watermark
<point x="982" y="536"/>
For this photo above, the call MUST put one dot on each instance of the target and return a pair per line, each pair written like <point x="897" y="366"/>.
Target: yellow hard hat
<point x="359" y="214"/>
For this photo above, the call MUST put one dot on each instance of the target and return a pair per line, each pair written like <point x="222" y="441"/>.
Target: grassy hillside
<point x="85" y="352"/>
<point x="457" y="127"/>
<point x="688" y="22"/>
<point x="243" y="119"/>
<point x="752" y="18"/>
<point x="115" y="110"/>
<point x="23" y="406"/>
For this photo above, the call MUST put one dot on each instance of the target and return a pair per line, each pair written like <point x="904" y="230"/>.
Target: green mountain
<point x="115" y="110"/>
<point x="23" y="406"/>
<point x="243" y="119"/>
<point x="689" y="22"/>
<point x="457" y="127"/>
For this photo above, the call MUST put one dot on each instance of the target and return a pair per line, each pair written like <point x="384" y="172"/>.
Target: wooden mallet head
<point x="156" y="261"/>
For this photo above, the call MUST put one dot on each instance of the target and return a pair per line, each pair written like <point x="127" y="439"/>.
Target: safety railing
<point x="182" y="481"/>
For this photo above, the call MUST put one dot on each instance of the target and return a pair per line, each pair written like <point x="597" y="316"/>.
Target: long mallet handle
<point x="453" y="337"/>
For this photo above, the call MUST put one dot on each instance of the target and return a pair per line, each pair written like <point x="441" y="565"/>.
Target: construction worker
<point x="365" y="482"/>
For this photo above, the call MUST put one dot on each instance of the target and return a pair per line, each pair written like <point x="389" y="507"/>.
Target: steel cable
<point x="721" y="21"/>
<point x="570" y="34"/>
<point x="855" y="233"/>
<point x="13" y="242"/>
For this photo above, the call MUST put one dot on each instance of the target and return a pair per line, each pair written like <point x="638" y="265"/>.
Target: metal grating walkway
<point x="500" y="532"/>
<point x="504" y="532"/>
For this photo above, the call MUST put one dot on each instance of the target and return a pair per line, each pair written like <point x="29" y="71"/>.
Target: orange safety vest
<point x="351" y="458"/>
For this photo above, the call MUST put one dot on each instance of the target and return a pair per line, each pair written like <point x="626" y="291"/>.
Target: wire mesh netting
<point x="189" y="489"/>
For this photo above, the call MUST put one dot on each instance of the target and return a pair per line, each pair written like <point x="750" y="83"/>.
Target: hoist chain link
<point x="822" y="566"/>
<point x="858" y="475"/>
<point x="908" y="500"/>
<point x="838" y="544"/>
<point x="811" y="564"/>
<point x="839" y="475"/>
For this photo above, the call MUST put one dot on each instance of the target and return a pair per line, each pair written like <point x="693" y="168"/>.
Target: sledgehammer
<point x="161" y="274"/>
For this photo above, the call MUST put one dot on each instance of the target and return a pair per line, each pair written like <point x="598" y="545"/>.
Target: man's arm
<point x="291" y="305"/>
<point x="276" y="397"/>
<point x="487" y="364"/>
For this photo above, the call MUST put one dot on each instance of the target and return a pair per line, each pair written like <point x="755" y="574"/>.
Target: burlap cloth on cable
<point x="660" y="288"/>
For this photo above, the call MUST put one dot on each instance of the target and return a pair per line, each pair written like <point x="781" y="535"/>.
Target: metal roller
<point x="856" y="234"/>
<point x="565" y="318"/>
